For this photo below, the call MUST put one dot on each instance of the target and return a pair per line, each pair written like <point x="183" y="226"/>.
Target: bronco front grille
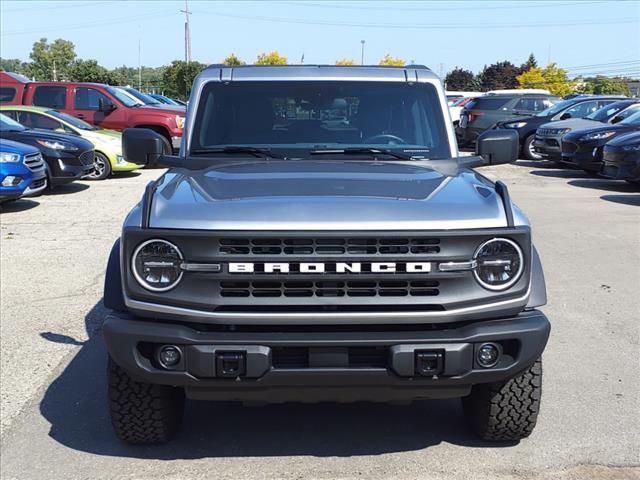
<point x="329" y="246"/>
<point x="351" y="288"/>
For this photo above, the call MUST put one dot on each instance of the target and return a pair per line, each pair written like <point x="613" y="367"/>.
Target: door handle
<point x="80" y="115"/>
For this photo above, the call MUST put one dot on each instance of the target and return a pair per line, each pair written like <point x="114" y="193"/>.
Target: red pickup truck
<point x="98" y="104"/>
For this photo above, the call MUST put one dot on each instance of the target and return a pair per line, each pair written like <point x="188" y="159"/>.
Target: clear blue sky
<point x="589" y="37"/>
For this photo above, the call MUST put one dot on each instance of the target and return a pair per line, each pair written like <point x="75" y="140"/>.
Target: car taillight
<point x="474" y="115"/>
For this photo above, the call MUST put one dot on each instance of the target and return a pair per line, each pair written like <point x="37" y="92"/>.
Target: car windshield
<point x="143" y="97"/>
<point x="71" y="120"/>
<point x="126" y="99"/>
<point x="303" y="118"/>
<point x="607" y="111"/>
<point x="632" y="120"/>
<point x="9" y="125"/>
<point x="558" y="107"/>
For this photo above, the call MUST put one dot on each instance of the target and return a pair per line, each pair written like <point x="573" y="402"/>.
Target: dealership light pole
<point x="362" y="53"/>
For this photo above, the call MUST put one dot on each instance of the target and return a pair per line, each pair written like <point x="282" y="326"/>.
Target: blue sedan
<point x="22" y="171"/>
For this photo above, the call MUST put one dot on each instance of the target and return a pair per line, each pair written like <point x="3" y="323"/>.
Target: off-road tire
<point x="505" y="411"/>
<point x="143" y="413"/>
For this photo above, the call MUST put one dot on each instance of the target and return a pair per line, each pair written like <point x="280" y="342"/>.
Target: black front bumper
<point x="346" y="363"/>
<point x="66" y="167"/>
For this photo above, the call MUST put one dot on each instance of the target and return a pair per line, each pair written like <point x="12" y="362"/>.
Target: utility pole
<point x="187" y="33"/>
<point x="139" y="60"/>
<point x="362" y="52"/>
<point x="55" y="74"/>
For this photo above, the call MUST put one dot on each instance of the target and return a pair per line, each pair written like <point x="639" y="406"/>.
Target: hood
<point x="573" y="123"/>
<point x="31" y="135"/>
<point x="105" y="137"/>
<point x="171" y="109"/>
<point x="618" y="128"/>
<point x="325" y="195"/>
<point x="10" y="146"/>
<point x="632" y="138"/>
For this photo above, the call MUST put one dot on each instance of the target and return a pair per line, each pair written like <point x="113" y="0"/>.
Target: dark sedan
<point x="583" y="148"/>
<point x="68" y="157"/>
<point x="621" y="158"/>
<point x="576" y="107"/>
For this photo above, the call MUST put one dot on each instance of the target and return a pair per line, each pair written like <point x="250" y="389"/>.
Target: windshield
<point x="302" y="117"/>
<point x="143" y="97"/>
<point x="9" y="125"/>
<point x="607" y="111"/>
<point x="558" y="107"/>
<point x="126" y="99"/>
<point x="73" y="121"/>
<point x="632" y="120"/>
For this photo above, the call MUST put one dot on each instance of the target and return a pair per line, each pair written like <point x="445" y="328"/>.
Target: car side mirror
<point x="617" y="119"/>
<point x="105" y="106"/>
<point x="144" y="146"/>
<point x="497" y="147"/>
<point x="565" y="115"/>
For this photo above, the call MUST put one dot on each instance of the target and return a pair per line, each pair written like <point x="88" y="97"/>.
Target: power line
<point x="56" y="7"/>
<point x="396" y="7"/>
<point x="420" y="26"/>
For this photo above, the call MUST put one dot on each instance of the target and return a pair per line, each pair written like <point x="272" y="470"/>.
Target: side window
<point x="89" y="99"/>
<point x="626" y="113"/>
<point x="532" y="104"/>
<point x="583" y="109"/>
<point x="34" y="120"/>
<point x="52" y="97"/>
<point x="7" y="94"/>
<point x="11" y="114"/>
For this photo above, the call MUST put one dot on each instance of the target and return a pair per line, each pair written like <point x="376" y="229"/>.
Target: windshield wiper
<point x="362" y="151"/>
<point x="256" y="152"/>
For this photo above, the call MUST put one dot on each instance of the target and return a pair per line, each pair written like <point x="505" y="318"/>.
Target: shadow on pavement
<point x="624" y="199"/>
<point x="117" y="175"/>
<point x="607" y="185"/>
<point x="73" y="187"/>
<point x="75" y="405"/>
<point x="16" y="206"/>
<point x="561" y="173"/>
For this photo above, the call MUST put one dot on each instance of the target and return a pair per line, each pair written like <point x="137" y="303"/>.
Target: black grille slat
<point x="329" y="246"/>
<point x="383" y="288"/>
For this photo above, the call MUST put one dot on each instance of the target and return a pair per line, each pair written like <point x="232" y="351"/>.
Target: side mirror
<point x="565" y="116"/>
<point x="498" y="146"/>
<point x="143" y="146"/>
<point x="617" y="119"/>
<point x="105" y="106"/>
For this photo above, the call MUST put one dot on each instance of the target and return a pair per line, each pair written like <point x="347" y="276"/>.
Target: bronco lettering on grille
<point x="338" y="267"/>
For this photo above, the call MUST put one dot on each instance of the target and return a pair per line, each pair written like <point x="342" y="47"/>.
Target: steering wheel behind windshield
<point x="390" y="139"/>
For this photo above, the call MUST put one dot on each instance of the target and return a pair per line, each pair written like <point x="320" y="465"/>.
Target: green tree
<point x="151" y="77"/>
<point x="271" y="58"/>
<point x="550" y="78"/>
<point x="90" y="71"/>
<point x="529" y="64"/>
<point x="178" y="77"/>
<point x="604" y="86"/>
<point x="14" y="65"/>
<point x="49" y="60"/>
<point x="232" y="60"/>
<point x="345" y="62"/>
<point x="459" y="79"/>
<point x="390" y="61"/>
<point x="499" y="75"/>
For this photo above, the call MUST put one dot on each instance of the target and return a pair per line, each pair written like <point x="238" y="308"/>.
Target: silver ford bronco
<point x="319" y="238"/>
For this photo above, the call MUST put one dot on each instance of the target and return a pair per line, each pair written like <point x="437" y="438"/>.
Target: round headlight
<point x="499" y="264"/>
<point x="156" y="265"/>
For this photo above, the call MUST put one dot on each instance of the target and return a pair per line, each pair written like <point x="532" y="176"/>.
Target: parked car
<point x="621" y="158"/>
<point x="456" y="107"/>
<point x="577" y="107"/>
<point x="22" y="171"/>
<point x="583" y="148"/>
<point x="145" y="98"/>
<point x="163" y="99"/>
<point x="67" y="157"/>
<point x="455" y="96"/>
<point x="95" y="103"/>
<point x="107" y="143"/>
<point x="485" y="112"/>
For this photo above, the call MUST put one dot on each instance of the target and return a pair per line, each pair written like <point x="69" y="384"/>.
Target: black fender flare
<point x="113" y="297"/>
<point x="538" y="296"/>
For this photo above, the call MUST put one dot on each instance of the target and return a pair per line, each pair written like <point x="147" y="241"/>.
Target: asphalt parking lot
<point x="54" y="415"/>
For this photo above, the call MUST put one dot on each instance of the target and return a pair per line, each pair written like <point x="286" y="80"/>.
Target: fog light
<point x="120" y="160"/>
<point x="488" y="355"/>
<point x="169" y="356"/>
<point x="10" y="181"/>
